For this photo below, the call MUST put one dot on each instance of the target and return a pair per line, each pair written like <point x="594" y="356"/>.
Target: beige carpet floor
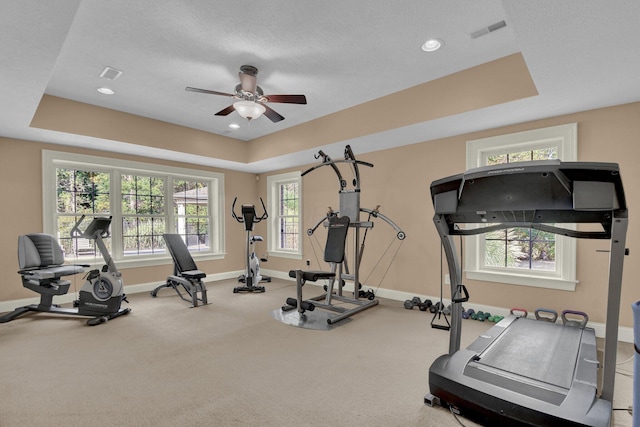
<point x="230" y="364"/>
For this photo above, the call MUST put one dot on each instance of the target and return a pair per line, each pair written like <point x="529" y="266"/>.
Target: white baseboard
<point x="625" y="334"/>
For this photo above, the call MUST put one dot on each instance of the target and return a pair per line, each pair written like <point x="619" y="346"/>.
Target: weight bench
<point x="185" y="272"/>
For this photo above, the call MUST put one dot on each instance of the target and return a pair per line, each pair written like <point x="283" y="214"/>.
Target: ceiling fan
<point x="252" y="101"/>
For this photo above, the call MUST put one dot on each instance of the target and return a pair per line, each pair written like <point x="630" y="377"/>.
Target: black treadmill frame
<point x="536" y="195"/>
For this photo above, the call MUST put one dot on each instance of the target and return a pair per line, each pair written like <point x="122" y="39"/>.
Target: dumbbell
<point x="467" y="314"/>
<point x="436" y="307"/>
<point x="474" y="316"/>
<point x="367" y="294"/>
<point x="482" y="316"/>
<point x="495" y="318"/>
<point x="447" y="311"/>
<point x="416" y="302"/>
<point x="413" y="302"/>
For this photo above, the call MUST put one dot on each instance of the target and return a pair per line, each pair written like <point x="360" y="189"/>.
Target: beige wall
<point x="399" y="182"/>
<point x="21" y="181"/>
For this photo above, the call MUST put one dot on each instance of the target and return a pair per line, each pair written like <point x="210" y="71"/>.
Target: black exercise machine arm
<point x="349" y="158"/>
<point x="400" y="235"/>
<point x="256" y="219"/>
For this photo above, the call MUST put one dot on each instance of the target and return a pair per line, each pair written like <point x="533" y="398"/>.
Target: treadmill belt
<point x="537" y="350"/>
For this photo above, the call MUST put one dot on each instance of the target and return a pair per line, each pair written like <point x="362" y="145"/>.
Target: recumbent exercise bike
<point x="42" y="268"/>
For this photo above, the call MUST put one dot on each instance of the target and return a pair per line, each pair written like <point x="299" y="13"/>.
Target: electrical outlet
<point x="447" y="279"/>
<point x="308" y="262"/>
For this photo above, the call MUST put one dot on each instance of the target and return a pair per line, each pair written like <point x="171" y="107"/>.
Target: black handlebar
<point x="256" y="219"/>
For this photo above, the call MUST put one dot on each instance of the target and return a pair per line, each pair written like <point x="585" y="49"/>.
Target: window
<point x="143" y="214"/>
<point x="284" y="223"/>
<point x="144" y="200"/>
<point x="523" y="256"/>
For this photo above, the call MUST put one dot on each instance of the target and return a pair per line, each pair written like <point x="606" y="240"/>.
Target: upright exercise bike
<point x="252" y="277"/>
<point x="103" y="292"/>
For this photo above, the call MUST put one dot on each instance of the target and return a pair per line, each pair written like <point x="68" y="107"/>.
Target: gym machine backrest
<point x="537" y="194"/>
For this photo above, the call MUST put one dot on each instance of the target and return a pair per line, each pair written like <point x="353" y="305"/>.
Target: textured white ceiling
<point x="338" y="53"/>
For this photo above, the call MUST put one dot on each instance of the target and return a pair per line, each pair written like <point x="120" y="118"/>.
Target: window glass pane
<point x="289" y="199"/>
<point x="142" y="235"/>
<point x="142" y="194"/>
<point x="497" y="159"/>
<point x="289" y="233"/>
<point x="545" y="153"/>
<point x="191" y="213"/>
<point x="494" y="254"/>
<point x="288" y="216"/>
<point x="81" y="191"/>
<point x="521" y="156"/>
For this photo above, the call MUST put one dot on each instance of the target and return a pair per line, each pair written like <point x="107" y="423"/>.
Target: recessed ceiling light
<point x="234" y="126"/>
<point x="106" y="91"/>
<point x="432" y="45"/>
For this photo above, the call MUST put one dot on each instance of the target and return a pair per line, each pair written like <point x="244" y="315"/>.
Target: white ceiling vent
<point x="491" y="28"/>
<point x="110" y="73"/>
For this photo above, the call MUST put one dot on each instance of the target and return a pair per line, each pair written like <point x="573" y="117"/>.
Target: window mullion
<point x="116" y="212"/>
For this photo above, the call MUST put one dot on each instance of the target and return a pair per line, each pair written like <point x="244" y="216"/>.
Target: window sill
<point x="124" y="264"/>
<point x="290" y="255"/>
<point x="523" y="280"/>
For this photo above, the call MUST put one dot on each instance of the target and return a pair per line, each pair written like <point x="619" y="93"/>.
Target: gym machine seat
<point x="185" y="272"/>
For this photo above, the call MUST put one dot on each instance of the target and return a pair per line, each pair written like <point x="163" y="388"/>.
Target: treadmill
<point x="524" y="371"/>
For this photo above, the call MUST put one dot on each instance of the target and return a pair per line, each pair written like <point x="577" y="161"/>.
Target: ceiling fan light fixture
<point x="250" y="110"/>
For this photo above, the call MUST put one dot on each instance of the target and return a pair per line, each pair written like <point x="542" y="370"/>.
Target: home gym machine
<point x="251" y="277"/>
<point x="302" y="313"/>
<point x="42" y="267"/>
<point x="523" y="371"/>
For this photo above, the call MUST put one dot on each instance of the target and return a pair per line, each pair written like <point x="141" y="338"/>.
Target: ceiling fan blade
<point x="225" y="112"/>
<point x="271" y="114"/>
<point x="287" y="99"/>
<point x="210" y="92"/>
<point x="248" y="82"/>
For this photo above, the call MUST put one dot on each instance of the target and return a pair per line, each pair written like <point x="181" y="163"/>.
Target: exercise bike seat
<point x="313" y="276"/>
<point x="41" y="261"/>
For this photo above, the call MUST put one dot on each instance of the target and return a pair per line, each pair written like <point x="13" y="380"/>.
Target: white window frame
<point x="273" y="232"/>
<point x="51" y="160"/>
<point x="565" y="139"/>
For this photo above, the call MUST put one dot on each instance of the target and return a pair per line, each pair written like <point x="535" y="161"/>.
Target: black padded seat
<point x="194" y="274"/>
<point x="313" y="276"/>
